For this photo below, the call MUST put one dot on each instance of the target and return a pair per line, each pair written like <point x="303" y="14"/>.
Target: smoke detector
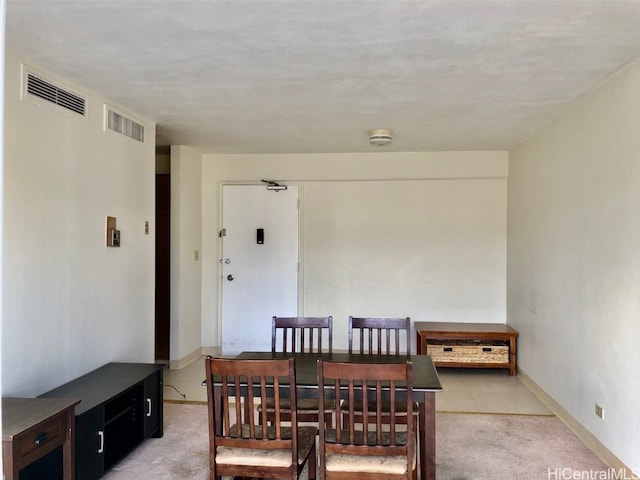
<point x="380" y="137"/>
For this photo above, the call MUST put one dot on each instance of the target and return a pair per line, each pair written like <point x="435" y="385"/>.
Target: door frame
<point x="162" y="283"/>
<point x="300" y="295"/>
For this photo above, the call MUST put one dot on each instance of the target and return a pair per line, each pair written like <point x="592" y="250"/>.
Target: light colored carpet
<point x="501" y="447"/>
<point x="468" y="447"/>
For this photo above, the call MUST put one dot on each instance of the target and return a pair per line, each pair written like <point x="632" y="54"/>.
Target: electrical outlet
<point x="599" y="411"/>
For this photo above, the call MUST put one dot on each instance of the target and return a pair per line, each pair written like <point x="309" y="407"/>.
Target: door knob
<point x="230" y="278"/>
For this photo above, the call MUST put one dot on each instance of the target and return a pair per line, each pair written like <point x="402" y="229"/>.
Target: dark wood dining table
<point x="425" y="385"/>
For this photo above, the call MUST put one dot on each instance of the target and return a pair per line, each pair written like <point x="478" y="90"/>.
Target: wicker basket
<point x="468" y="353"/>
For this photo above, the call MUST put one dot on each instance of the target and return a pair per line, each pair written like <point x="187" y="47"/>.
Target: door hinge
<point x="222" y="233"/>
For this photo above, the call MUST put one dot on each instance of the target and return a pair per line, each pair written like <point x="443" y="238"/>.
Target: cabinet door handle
<point x="148" y="407"/>
<point x="101" y="447"/>
<point x="41" y="438"/>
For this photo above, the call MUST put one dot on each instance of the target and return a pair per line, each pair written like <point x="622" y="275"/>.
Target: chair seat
<point x="391" y="464"/>
<point x="401" y="407"/>
<point x="306" y="405"/>
<point x="269" y="458"/>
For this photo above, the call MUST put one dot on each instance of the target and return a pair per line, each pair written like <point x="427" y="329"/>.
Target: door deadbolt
<point x="230" y="278"/>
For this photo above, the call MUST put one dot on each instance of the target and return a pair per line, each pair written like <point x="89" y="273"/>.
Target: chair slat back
<point x="344" y="381"/>
<point x="381" y="336"/>
<point x="302" y="334"/>
<point x="232" y="419"/>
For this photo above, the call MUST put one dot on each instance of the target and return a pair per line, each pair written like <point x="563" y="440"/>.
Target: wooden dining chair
<point x="379" y="336"/>
<point x="301" y="335"/>
<point x="238" y="445"/>
<point x="379" y="450"/>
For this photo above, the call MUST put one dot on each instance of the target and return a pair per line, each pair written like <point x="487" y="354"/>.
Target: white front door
<point x="259" y="263"/>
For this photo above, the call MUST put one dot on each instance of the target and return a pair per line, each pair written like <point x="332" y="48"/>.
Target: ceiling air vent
<point x="54" y="94"/>
<point x="125" y="126"/>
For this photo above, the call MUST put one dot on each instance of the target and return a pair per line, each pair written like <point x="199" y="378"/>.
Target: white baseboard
<point x="193" y="356"/>
<point x="592" y="443"/>
<point x="184" y="361"/>
<point x="212" y="351"/>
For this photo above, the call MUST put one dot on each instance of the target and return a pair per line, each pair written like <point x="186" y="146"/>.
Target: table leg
<point x="512" y="356"/>
<point x="9" y="469"/>
<point x="427" y="440"/>
<point x="68" y="449"/>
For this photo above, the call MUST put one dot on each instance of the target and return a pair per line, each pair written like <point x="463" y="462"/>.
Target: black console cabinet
<point x="121" y="405"/>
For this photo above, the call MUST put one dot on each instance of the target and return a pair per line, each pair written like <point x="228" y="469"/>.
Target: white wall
<point x="2" y="19"/>
<point x="574" y="261"/>
<point x="441" y="216"/>
<point x="70" y="303"/>
<point x="186" y="238"/>
<point x="430" y="250"/>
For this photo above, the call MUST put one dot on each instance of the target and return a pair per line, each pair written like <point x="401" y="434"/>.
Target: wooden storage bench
<point x="468" y="345"/>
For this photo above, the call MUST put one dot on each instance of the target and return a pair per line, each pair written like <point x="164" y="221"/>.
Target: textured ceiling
<point x="315" y="76"/>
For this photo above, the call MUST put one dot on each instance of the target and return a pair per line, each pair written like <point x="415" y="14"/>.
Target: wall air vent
<point x="125" y="126"/>
<point x="54" y="94"/>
